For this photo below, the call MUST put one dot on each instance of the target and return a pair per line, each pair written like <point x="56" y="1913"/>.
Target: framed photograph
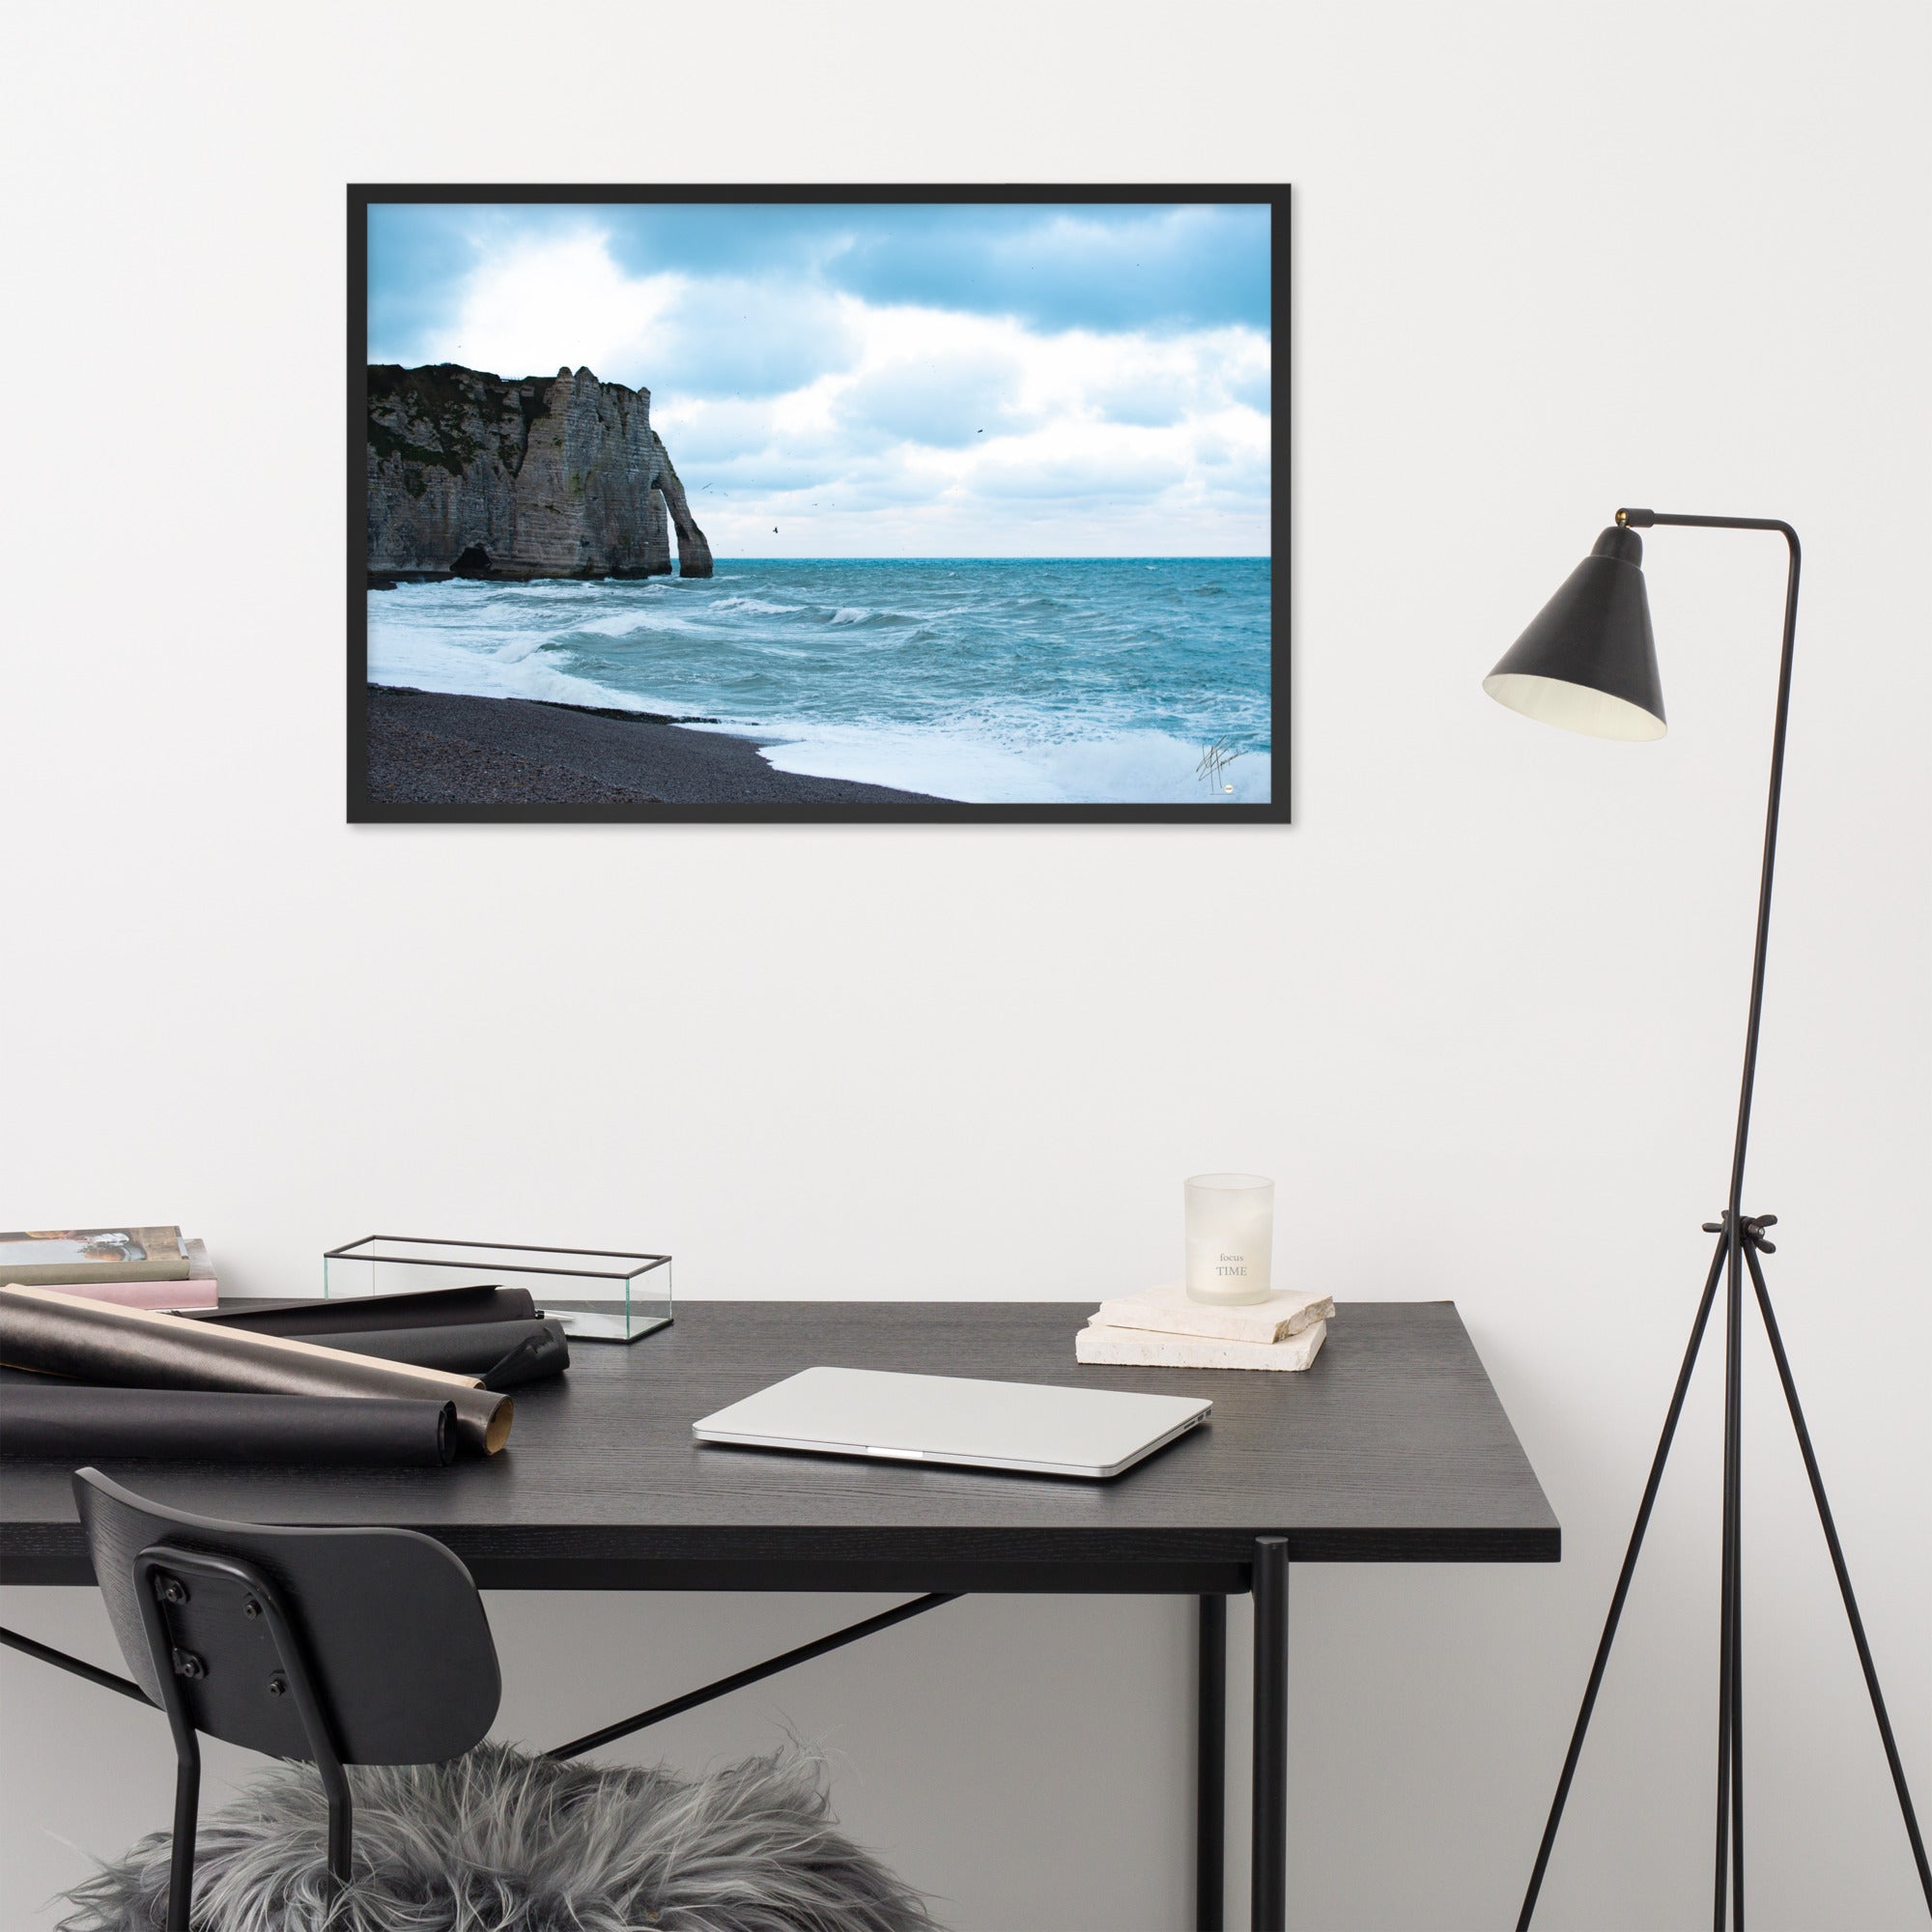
<point x="817" y="503"/>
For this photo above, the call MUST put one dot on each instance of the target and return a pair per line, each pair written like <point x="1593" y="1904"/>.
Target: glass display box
<point x="599" y="1295"/>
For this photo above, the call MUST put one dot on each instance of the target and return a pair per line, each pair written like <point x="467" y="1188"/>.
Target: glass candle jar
<point x="1229" y="1238"/>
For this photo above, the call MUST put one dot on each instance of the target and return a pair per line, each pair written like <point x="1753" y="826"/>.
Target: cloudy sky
<point x="882" y="380"/>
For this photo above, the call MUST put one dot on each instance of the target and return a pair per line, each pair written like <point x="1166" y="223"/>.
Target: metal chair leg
<point x="181" y="1862"/>
<point x="341" y="1834"/>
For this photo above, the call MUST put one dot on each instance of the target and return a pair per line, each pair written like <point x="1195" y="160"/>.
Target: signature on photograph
<point x="1215" y="758"/>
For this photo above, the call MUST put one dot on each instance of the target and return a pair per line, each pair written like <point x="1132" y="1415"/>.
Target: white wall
<point x="1479" y="1009"/>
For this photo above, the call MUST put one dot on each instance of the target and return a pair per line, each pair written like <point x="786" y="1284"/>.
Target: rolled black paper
<point x="363" y="1314"/>
<point x="65" y="1422"/>
<point x="465" y="1347"/>
<point x="138" y="1347"/>
<point x="524" y="1363"/>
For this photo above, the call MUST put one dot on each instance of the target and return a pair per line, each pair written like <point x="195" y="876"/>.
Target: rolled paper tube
<point x="524" y="1363"/>
<point x="464" y="1348"/>
<point x="136" y="1347"/>
<point x="72" y="1424"/>
<point x="363" y="1314"/>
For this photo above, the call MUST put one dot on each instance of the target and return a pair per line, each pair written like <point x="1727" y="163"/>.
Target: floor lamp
<point x="1588" y="662"/>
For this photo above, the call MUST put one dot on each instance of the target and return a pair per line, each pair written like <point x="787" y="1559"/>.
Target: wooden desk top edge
<point x="830" y="1524"/>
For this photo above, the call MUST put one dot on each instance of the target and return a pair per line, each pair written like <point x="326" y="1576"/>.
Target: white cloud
<point x="538" y="305"/>
<point x="860" y="429"/>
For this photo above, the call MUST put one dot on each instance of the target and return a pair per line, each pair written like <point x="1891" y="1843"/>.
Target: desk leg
<point x="1210" y="1766"/>
<point x="1269" y="1892"/>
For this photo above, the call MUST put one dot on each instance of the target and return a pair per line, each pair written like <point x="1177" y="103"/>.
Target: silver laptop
<point x="1045" y="1431"/>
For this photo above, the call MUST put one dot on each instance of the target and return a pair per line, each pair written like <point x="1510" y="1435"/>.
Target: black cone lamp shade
<point x="1588" y="661"/>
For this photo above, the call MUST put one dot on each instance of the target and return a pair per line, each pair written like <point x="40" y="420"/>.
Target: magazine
<point x="53" y="1256"/>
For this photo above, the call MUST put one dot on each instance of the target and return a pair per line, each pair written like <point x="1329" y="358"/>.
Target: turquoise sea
<point x="1002" y="680"/>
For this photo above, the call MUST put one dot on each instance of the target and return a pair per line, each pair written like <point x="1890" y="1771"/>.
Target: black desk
<point x="1392" y="1448"/>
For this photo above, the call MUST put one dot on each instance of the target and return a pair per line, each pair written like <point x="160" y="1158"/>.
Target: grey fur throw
<point x="496" y="1841"/>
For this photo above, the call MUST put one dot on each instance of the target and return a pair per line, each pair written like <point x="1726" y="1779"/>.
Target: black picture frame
<point x="362" y="810"/>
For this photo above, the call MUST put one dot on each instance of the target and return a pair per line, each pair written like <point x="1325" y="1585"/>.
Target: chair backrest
<point x="390" y="1629"/>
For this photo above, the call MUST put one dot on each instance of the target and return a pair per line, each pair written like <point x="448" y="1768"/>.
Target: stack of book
<point x="1162" y="1328"/>
<point x="132" y="1267"/>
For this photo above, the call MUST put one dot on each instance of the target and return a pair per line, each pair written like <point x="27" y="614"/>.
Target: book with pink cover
<point x="166" y="1296"/>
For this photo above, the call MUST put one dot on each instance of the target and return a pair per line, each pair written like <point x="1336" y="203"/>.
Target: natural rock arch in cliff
<point x="694" y="554"/>
<point x="693" y="551"/>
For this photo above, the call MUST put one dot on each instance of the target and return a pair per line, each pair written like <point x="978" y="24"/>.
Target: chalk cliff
<point x="471" y="475"/>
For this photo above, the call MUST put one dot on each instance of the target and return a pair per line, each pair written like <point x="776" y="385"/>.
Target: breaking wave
<point x="1038" y="680"/>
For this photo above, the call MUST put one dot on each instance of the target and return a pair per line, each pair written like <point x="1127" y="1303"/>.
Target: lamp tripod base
<point x="1740" y="1240"/>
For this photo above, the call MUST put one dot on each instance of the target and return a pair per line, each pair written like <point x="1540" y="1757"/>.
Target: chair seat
<point x="499" y="1841"/>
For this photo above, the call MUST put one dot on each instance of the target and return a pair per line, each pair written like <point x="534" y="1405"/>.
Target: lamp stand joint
<point x="1751" y="1228"/>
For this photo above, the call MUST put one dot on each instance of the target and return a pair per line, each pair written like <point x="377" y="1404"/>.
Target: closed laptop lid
<point x="953" y="1419"/>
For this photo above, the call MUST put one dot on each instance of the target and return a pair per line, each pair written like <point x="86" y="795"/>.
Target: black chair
<point x="370" y="1647"/>
<point x="329" y="1646"/>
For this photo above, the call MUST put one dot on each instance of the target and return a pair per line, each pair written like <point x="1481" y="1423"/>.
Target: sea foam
<point x="1124" y="768"/>
<point x="1044" y="680"/>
